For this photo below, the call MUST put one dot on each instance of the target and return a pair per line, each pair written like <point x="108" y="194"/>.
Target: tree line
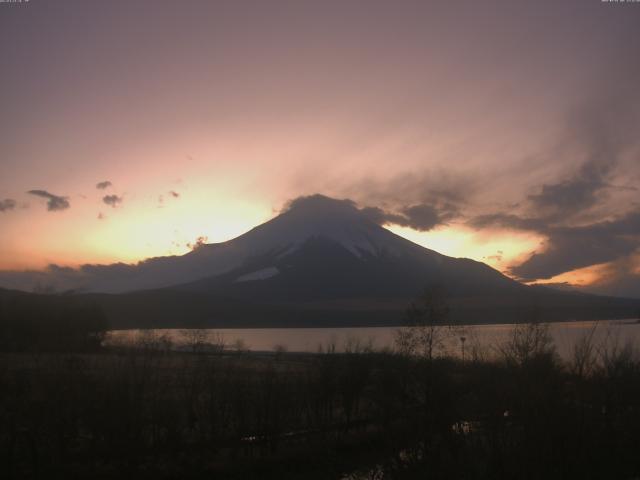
<point x="59" y="323"/>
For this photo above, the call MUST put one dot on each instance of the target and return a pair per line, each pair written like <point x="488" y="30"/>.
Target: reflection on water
<point x="478" y="339"/>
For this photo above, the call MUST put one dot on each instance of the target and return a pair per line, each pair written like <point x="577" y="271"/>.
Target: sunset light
<point x="319" y="239"/>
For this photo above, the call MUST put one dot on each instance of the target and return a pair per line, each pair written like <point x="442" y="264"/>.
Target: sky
<point x="503" y="131"/>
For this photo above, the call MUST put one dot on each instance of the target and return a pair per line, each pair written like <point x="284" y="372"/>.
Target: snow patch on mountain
<point x="261" y="274"/>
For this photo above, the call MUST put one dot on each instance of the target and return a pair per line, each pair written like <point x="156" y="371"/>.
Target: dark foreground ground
<point x="152" y="413"/>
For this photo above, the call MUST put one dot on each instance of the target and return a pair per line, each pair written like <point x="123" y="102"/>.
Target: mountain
<point x="324" y="262"/>
<point x="318" y="248"/>
<point x="320" y="262"/>
<point x="325" y="249"/>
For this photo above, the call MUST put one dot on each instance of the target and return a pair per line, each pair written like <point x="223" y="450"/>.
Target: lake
<point x="478" y="338"/>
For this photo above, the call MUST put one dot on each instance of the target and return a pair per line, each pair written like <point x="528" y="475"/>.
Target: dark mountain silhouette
<point x="325" y="249"/>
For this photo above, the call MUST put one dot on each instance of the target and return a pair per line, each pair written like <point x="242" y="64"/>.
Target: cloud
<point x="53" y="279"/>
<point x="57" y="278"/>
<point x="199" y="243"/>
<point x="565" y="286"/>
<point x="567" y="248"/>
<point x="575" y="214"/>
<point x="602" y="133"/>
<point x="422" y="217"/>
<point x="104" y="185"/>
<point x="317" y="202"/>
<point x="509" y="221"/>
<point x="497" y="257"/>
<point x="585" y="216"/>
<point x="422" y="187"/>
<point x="623" y="284"/>
<point x="574" y="239"/>
<point x="112" y="200"/>
<point x="620" y="279"/>
<point x="421" y="199"/>
<point x="425" y="217"/>
<point x="380" y="216"/>
<point x="7" y="204"/>
<point x="111" y="271"/>
<point x="570" y="248"/>
<point x="575" y="195"/>
<point x="54" y="202"/>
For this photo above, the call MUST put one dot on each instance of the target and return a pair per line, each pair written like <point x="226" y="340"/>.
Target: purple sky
<point x="507" y="131"/>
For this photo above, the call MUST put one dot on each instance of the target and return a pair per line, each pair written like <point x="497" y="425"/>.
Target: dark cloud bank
<point x="422" y="216"/>
<point x="103" y="185"/>
<point x="419" y="200"/>
<point x="54" y="202"/>
<point x="570" y="248"/>
<point x="583" y="224"/>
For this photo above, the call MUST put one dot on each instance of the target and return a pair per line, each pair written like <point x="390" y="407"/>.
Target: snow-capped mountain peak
<point x="318" y="216"/>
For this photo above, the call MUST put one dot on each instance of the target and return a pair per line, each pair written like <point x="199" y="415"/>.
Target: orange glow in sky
<point x="499" y="249"/>
<point x="581" y="277"/>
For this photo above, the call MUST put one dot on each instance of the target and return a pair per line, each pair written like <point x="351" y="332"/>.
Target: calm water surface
<point x="482" y="338"/>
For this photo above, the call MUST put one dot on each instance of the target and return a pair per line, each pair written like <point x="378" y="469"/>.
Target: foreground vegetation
<point x="72" y="408"/>
<point x="149" y="411"/>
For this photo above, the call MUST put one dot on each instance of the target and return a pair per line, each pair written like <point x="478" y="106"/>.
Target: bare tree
<point x="527" y="341"/>
<point x="616" y="356"/>
<point x="427" y="320"/>
<point x="240" y="346"/>
<point x="195" y="339"/>
<point x="584" y="359"/>
<point x="217" y="342"/>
